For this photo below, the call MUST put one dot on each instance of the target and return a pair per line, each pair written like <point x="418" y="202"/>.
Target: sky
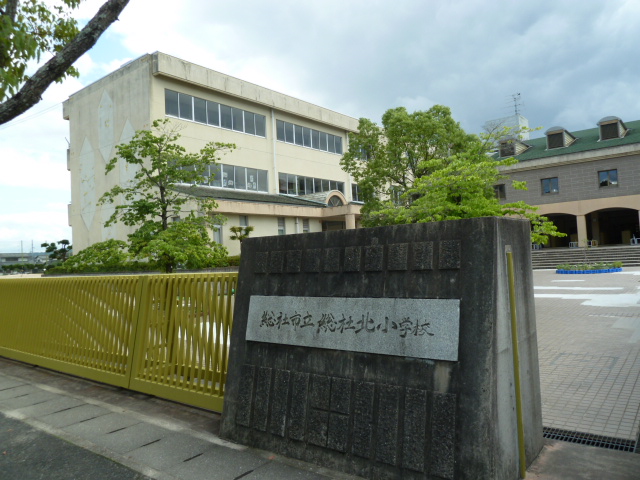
<point x="572" y="63"/>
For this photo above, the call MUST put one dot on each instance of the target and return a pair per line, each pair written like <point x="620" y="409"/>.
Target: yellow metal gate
<point x="166" y="335"/>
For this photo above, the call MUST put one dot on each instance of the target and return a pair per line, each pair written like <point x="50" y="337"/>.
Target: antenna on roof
<point x="516" y="102"/>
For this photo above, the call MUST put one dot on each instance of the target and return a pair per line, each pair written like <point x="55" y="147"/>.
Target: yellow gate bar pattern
<point x="166" y="335"/>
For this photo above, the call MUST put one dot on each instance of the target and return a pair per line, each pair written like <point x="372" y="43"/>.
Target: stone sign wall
<point x="386" y="352"/>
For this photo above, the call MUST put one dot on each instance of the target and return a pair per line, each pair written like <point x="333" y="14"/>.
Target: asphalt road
<point x="30" y="454"/>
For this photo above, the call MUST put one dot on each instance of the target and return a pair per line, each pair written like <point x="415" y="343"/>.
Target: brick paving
<point x="589" y="351"/>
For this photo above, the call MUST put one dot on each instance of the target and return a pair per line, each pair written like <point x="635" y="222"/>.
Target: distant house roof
<point x="586" y="140"/>
<point x="245" y="196"/>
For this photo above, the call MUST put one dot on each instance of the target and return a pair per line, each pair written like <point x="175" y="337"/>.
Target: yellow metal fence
<point x="166" y="335"/>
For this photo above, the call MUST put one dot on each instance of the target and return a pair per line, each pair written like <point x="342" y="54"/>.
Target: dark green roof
<point x="245" y="196"/>
<point x="586" y="140"/>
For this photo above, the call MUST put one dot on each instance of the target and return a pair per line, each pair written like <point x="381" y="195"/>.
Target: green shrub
<point x="589" y="266"/>
<point x="233" y="261"/>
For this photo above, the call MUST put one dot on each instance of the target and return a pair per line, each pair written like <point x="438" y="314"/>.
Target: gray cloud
<point x="572" y="62"/>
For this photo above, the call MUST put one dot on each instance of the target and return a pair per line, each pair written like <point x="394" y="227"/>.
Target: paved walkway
<point x="589" y="351"/>
<point x="54" y="426"/>
<point x="59" y="427"/>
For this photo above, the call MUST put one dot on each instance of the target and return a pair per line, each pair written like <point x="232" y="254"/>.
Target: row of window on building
<point x="241" y="178"/>
<point x="188" y="107"/>
<point x="290" y="184"/>
<point x="196" y="109"/>
<point x="308" y="137"/>
<point x="550" y="186"/>
<point x="256" y="180"/>
<point x="243" y="221"/>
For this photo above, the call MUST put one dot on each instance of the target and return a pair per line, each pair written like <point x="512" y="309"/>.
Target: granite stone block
<point x="388" y="422"/>
<point x="298" y="409"/>
<point x="449" y="255"/>
<point x="294" y="261"/>
<point x="422" y="256"/>
<point x="352" y="259"/>
<point x="332" y="259"/>
<point x="409" y="327"/>
<point x="276" y="261"/>
<point x="280" y="398"/>
<point x="320" y="392"/>
<point x="341" y="395"/>
<point x="262" y="399"/>
<point x="245" y="395"/>
<point x="398" y="256"/>
<point x="318" y="427"/>
<point x="338" y="434"/>
<point x="443" y="428"/>
<point x="262" y="262"/>
<point x="312" y="260"/>
<point x="363" y="419"/>
<point x="373" y="258"/>
<point x="415" y="426"/>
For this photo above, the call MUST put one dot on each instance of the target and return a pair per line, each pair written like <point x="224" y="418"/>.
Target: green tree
<point x="152" y="198"/>
<point x="423" y="167"/>
<point x="186" y="243"/>
<point x="99" y="257"/>
<point x="240" y="233"/>
<point x="58" y="250"/>
<point x="31" y="29"/>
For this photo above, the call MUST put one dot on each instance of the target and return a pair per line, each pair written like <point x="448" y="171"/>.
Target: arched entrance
<point x="613" y="226"/>
<point x="565" y="223"/>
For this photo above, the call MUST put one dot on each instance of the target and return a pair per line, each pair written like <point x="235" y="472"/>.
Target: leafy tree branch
<point x="30" y="29"/>
<point x="423" y="167"/>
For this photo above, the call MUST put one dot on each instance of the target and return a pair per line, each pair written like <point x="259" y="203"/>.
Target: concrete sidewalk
<point x="55" y="426"/>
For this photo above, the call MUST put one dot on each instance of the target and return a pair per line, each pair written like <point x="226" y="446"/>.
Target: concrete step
<point x="551" y="258"/>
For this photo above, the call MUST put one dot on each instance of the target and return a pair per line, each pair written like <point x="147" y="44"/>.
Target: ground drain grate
<point x="611" y="443"/>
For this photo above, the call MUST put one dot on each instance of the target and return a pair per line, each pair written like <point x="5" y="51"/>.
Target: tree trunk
<point x="32" y="90"/>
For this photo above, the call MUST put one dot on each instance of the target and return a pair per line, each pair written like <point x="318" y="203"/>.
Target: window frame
<point x="550" y="182"/>
<point x="186" y="107"/>
<point x="608" y="182"/>
<point x="306" y="137"/>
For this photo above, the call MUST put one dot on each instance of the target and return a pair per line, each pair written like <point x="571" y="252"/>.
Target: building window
<point x="308" y="137"/>
<point x="510" y="147"/>
<point x="217" y="234"/>
<point x="356" y="195"/>
<point x="290" y="184"/>
<point x="199" y="110"/>
<point x="555" y="140"/>
<point x="558" y="137"/>
<point x="507" y="149"/>
<point x="281" y="226"/>
<point x="609" y="131"/>
<point x="612" y="127"/>
<point x="550" y="185"/>
<point x="335" y="201"/>
<point x="171" y="103"/>
<point x="305" y="225"/>
<point x="608" y="178"/>
<point x="243" y="221"/>
<point x="500" y="191"/>
<point x="239" y="178"/>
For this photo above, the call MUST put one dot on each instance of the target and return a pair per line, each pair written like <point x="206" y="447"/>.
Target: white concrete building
<point x="284" y="177"/>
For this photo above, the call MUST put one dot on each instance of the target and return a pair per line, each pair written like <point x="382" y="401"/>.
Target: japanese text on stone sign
<point x="342" y="323"/>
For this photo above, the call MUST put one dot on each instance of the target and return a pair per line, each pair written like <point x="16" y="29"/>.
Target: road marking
<point x="598" y="300"/>
<point x="578" y="288"/>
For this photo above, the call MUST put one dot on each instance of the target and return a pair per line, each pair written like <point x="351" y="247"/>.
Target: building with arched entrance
<point x="587" y="182"/>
